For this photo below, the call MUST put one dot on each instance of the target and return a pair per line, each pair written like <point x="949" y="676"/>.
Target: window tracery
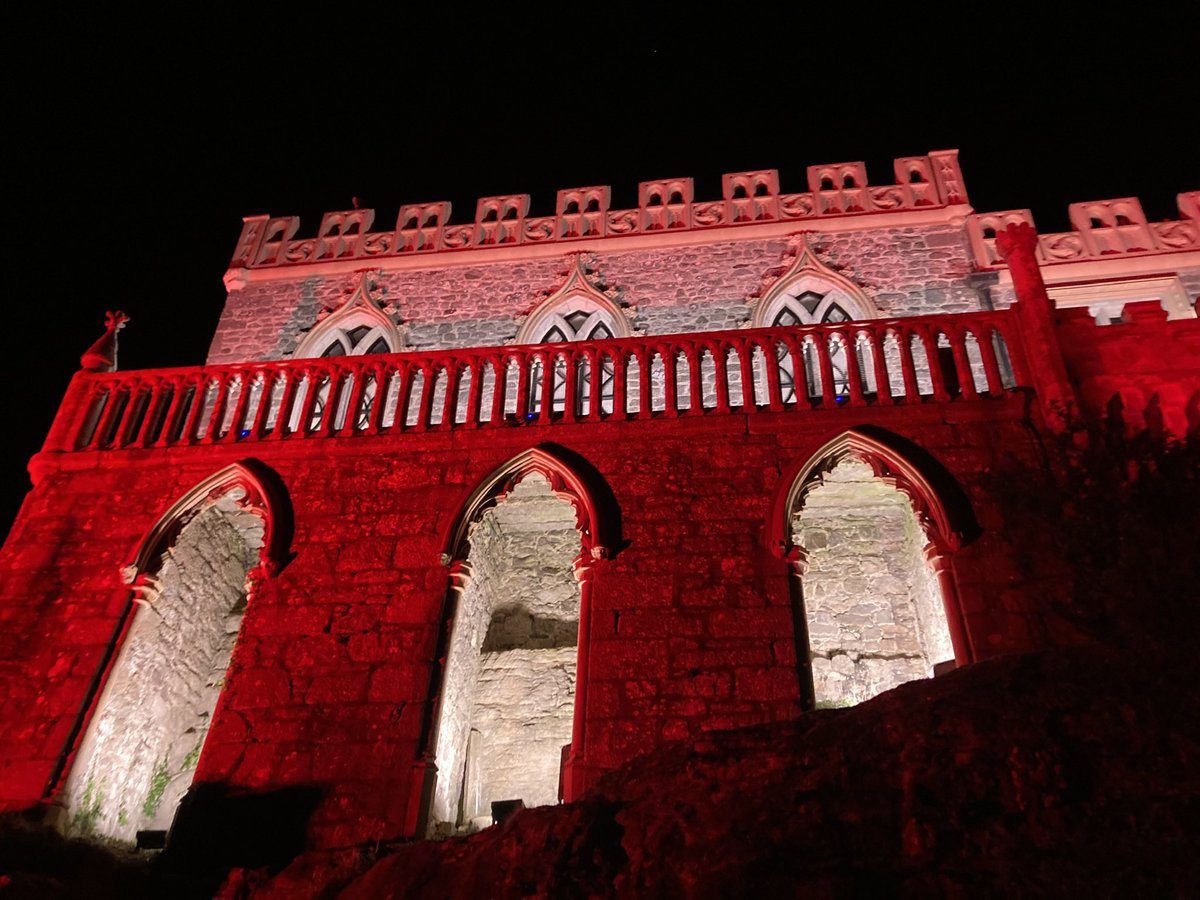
<point x="810" y="293"/>
<point x="577" y="311"/>
<point x="359" y="340"/>
<point x="811" y="308"/>
<point x="358" y="327"/>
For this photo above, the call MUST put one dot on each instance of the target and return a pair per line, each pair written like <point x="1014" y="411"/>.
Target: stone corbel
<point x="236" y="279"/>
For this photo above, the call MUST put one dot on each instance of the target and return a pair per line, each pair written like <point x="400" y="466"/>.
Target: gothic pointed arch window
<point x="509" y="720"/>
<point x="356" y="340"/>
<point x="871" y="538"/>
<point x="192" y="581"/>
<point x="810" y="293"/>
<point x="577" y="311"/>
<point x="358" y="327"/>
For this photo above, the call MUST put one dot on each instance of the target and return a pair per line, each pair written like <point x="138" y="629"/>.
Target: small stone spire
<point x="102" y="355"/>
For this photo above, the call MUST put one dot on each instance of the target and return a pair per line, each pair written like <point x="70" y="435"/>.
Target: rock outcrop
<point x="1073" y="773"/>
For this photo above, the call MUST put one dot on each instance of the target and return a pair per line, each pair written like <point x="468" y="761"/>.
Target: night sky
<point x="136" y="146"/>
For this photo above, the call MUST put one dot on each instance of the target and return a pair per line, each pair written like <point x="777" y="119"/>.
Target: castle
<point x="459" y="515"/>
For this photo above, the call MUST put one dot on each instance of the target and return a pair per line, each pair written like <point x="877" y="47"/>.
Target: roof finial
<point x="102" y="355"/>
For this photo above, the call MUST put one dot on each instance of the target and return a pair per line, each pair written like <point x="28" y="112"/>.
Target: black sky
<point x="135" y="145"/>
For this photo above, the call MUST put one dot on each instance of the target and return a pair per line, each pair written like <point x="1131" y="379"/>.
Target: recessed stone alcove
<point x="873" y="607"/>
<point x="508" y="694"/>
<point x="141" y="746"/>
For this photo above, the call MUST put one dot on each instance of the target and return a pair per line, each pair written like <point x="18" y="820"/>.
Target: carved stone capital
<point x="1017" y="238"/>
<point x="461" y="575"/>
<point x="937" y="556"/>
<point x="797" y="559"/>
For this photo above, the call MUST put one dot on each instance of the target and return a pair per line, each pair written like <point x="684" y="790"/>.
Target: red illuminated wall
<point x="691" y="620"/>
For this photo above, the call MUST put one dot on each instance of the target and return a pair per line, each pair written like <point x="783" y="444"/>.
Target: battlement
<point x="664" y="205"/>
<point x="1101" y="229"/>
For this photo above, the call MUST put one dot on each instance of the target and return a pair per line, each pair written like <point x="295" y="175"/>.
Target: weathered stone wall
<point x="691" y="623"/>
<point x="140" y="751"/>
<point x="523" y="716"/>
<point x="509" y="693"/>
<point x="875" y="615"/>
<point x="907" y="271"/>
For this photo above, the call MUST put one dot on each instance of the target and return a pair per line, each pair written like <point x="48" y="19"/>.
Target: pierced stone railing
<point x="875" y="363"/>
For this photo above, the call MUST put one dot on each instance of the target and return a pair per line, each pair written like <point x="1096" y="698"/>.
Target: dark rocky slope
<point x="1073" y="773"/>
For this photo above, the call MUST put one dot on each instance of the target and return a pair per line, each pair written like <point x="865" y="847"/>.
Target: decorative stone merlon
<point x="748" y="198"/>
<point x="1103" y="229"/>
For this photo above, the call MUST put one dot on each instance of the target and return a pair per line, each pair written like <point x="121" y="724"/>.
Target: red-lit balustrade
<point x="881" y="362"/>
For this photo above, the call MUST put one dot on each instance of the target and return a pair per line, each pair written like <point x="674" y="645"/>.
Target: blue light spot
<point x="244" y="433"/>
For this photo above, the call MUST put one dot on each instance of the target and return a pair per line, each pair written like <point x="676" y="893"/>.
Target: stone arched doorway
<point x="191" y="579"/>
<point x="871" y="549"/>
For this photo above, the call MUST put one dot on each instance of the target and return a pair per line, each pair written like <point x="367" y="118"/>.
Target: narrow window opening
<point x="945" y="356"/>
<point x="873" y="605"/>
<point x="141" y="748"/>
<point x="508" y="692"/>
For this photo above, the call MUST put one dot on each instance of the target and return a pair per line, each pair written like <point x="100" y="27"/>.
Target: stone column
<point x="575" y="777"/>
<point x="797" y="565"/>
<point x="1035" y="316"/>
<point x="938" y="559"/>
<point x="423" y="775"/>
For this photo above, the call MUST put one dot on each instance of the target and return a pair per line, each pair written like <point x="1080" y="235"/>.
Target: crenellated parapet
<point x="664" y="206"/>
<point x="1101" y="229"/>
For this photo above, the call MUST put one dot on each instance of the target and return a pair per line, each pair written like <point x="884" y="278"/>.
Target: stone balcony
<point x="898" y="362"/>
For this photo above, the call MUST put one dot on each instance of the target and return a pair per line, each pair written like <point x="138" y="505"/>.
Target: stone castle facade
<point x="460" y="514"/>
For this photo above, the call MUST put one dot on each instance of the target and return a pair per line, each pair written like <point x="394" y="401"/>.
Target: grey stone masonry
<point x="703" y="287"/>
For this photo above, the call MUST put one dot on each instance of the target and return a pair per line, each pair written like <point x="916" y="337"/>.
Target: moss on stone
<point x="193" y="757"/>
<point x="88" y="814"/>
<point x="158" y="784"/>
